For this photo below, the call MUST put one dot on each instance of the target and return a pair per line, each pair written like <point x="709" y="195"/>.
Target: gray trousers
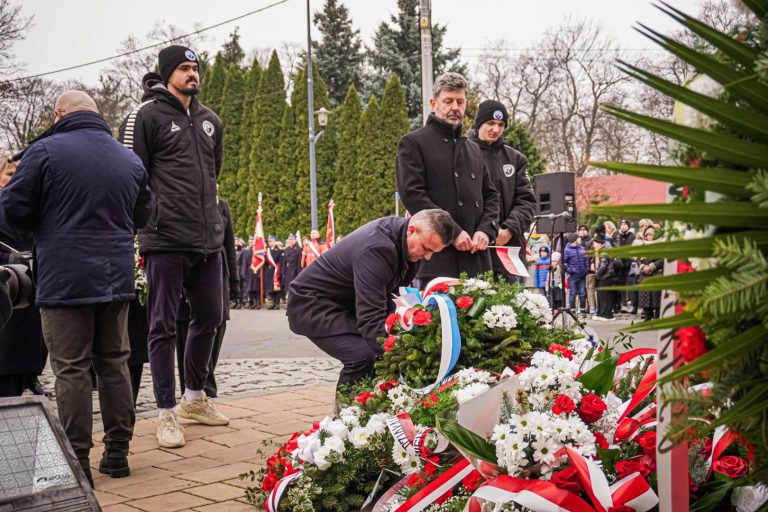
<point x="77" y="337"/>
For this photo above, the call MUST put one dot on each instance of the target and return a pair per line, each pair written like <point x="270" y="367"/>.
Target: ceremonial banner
<point x="257" y="261"/>
<point x="510" y="258"/>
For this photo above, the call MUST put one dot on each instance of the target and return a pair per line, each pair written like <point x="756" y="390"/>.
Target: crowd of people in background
<point x="572" y="269"/>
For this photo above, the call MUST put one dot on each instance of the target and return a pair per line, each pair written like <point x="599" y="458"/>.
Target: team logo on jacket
<point x="208" y="128"/>
<point x="509" y="170"/>
<point x="174" y="127"/>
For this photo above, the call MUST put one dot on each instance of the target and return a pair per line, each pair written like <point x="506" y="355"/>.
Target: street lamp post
<point x="312" y="138"/>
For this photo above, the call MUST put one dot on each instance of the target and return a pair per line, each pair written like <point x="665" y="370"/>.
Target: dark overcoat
<point x="437" y="167"/>
<point x="291" y="265"/>
<point x="269" y="271"/>
<point x="509" y="172"/>
<point x="349" y="289"/>
<point x="249" y="279"/>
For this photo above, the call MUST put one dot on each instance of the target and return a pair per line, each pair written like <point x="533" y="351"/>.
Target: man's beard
<point x="190" y="90"/>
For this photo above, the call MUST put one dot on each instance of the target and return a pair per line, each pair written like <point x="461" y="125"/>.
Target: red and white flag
<point x="510" y="258"/>
<point x="330" y="231"/>
<point x="257" y="261"/>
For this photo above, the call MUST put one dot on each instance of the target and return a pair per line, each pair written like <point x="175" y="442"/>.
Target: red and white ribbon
<point x="277" y="492"/>
<point x="721" y="439"/>
<point x="536" y="495"/>
<point x="437" y="487"/>
<point x="644" y="388"/>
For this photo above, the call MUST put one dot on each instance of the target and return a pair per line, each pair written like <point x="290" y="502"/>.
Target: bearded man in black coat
<point x="437" y="167"/>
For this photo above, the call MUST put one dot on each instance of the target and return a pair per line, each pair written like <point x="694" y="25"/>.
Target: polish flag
<point x="330" y="231"/>
<point x="510" y="258"/>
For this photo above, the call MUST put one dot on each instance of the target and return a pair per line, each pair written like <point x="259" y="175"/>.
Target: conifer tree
<point x="252" y="79"/>
<point x="518" y="137"/>
<point x="389" y="125"/>
<point x="231" y="115"/>
<point x="284" y="213"/>
<point x="339" y="56"/>
<point x="263" y="172"/>
<point x="212" y="86"/>
<point x="369" y="164"/>
<point x="347" y="215"/>
<point x="232" y="52"/>
<point x="397" y="49"/>
<point x="299" y="102"/>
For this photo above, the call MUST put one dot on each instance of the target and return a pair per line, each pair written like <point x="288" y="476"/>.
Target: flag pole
<point x="261" y="270"/>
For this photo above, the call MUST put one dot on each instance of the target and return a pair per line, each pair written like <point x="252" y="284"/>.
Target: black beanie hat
<point x="170" y="57"/>
<point x="491" y="110"/>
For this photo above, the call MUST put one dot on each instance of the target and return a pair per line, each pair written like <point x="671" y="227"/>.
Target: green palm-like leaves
<point x="729" y="301"/>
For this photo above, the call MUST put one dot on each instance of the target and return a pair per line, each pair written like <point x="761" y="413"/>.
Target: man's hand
<point x="503" y="237"/>
<point x="479" y="242"/>
<point x="463" y="242"/>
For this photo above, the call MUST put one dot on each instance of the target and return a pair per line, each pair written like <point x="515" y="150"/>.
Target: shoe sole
<point x="116" y="473"/>
<point x="163" y="444"/>
<point x="205" y="420"/>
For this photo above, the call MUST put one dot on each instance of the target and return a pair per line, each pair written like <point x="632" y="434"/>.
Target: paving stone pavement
<point x="236" y="378"/>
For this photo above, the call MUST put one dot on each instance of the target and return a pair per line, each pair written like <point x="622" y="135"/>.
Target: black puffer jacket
<point x="182" y="153"/>
<point x="509" y="172"/>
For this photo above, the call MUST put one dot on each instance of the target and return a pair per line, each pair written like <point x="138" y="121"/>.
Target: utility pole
<point x="311" y="104"/>
<point x="425" y="24"/>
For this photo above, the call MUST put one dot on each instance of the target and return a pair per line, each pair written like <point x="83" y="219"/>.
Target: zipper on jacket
<point x="202" y="182"/>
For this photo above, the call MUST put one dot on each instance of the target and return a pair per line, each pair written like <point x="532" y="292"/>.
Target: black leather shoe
<point x="88" y="475"/>
<point x="115" y="467"/>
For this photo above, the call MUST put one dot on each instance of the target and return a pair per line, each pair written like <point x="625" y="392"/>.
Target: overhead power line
<point x="155" y="45"/>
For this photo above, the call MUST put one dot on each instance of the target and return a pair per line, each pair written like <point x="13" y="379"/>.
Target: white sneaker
<point x="201" y="410"/>
<point x="169" y="433"/>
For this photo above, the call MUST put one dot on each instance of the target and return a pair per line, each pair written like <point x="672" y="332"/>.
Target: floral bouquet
<point x="142" y="287"/>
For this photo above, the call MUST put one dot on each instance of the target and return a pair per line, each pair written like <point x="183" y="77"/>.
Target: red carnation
<point x="430" y="400"/>
<point x="464" y="302"/>
<point x="731" y="466"/>
<point x="563" y="404"/>
<point x="472" y="481"/>
<point x="520" y="368"/>
<point x="416" y="480"/>
<point x="430" y="466"/>
<point x="561" y="350"/>
<point x="363" y="398"/>
<point x="387" y="385"/>
<point x="627" y="467"/>
<point x="422" y="317"/>
<point x="692" y="343"/>
<point x="389" y="343"/>
<point x="592" y="408"/>
<point x="568" y="480"/>
<point x="600" y="440"/>
<point x="647" y="442"/>
<point x="440" y="288"/>
<point x="391" y="320"/>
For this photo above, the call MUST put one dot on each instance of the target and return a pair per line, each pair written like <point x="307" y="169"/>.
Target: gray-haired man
<point x="437" y="167"/>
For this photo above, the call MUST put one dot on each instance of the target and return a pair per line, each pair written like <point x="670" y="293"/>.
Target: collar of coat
<point x="80" y="121"/>
<point x="154" y="88"/>
<point x="497" y="144"/>
<point x="442" y="127"/>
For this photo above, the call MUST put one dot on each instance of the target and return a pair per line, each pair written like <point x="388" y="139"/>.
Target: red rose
<point x="389" y="343"/>
<point x="141" y="262"/>
<point x="520" y="368"/>
<point x="422" y="317"/>
<point x="647" y="442"/>
<point x="600" y="440"/>
<point x="692" y="343"/>
<point x="363" y="398"/>
<point x="472" y="481"/>
<point x="731" y="466"/>
<point x="568" y="480"/>
<point x="563" y="404"/>
<point x="440" y="288"/>
<point x="387" y="385"/>
<point x="561" y="350"/>
<point x="627" y="467"/>
<point x="592" y="408"/>
<point x="391" y="320"/>
<point x="269" y="482"/>
<point x="464" y="302"/>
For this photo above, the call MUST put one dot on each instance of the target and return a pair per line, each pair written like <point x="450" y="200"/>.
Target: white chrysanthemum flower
<point x="413" y="465"/>
<point x="471" y="391"/>
<point x="471" y="285"/>
<point x="400" y="455"/>
<point x="501" y="316"/>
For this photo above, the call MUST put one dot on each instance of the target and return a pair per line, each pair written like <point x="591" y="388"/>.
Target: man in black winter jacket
<point x="437" y="167"/>
<point x="509" y="172"/>
<point x="180" y="142"/>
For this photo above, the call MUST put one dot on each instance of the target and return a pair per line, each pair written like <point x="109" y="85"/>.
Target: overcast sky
<point x="70" y="32"/>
